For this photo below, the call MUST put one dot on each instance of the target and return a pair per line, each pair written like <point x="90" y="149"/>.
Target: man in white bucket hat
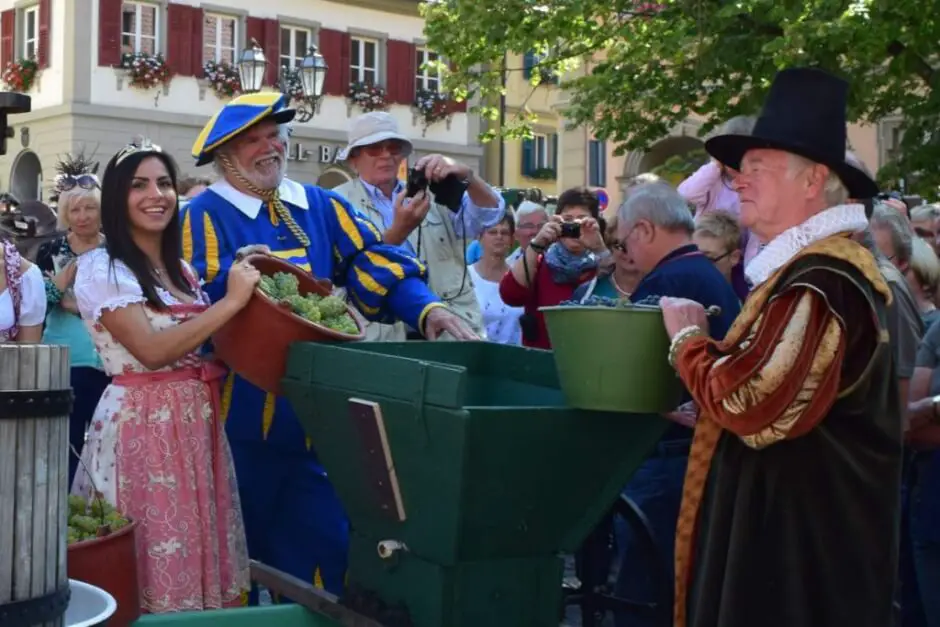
<point x="435" y="228"/>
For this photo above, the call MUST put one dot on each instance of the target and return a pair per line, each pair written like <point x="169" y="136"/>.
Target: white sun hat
<point x="372" y="128"/>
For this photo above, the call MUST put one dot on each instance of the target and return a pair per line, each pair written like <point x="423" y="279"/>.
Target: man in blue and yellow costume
<point x="293" y="519"/>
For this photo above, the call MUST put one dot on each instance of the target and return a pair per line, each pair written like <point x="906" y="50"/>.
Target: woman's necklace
<point x="613" y="280"/>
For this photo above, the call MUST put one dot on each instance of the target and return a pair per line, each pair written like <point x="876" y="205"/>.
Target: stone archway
<point x="333" y="177"/>
<point x="682" y="140"/>
<point x="26" y="177"/>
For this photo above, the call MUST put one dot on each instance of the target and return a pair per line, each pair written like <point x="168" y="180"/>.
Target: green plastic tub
<point x="613" y="359"/>
<point x="265" y="616"/>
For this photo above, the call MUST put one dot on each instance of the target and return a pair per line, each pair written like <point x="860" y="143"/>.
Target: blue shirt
<point x="469" y="222"/>
<point x="687" y="273"/>
<point x="221" y="220"/>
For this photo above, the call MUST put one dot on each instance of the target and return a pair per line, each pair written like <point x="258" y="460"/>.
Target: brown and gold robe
<point x="790" y="507"/>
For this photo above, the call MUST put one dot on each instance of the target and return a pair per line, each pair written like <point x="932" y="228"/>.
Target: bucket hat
<point x="372" y="128"/>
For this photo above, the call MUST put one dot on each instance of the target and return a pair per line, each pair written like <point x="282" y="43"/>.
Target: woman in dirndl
<point x="22" y="297"/>
<point x="156" y="449"/>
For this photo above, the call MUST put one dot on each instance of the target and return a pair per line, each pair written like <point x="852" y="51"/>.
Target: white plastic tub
<point x="89" y="605"/>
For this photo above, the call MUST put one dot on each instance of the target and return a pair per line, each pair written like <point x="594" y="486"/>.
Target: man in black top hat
<point x="791" y="494"/>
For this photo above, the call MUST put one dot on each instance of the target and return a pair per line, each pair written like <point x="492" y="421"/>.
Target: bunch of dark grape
<point x="605" y="301"/>
<point x="648" y="301"/>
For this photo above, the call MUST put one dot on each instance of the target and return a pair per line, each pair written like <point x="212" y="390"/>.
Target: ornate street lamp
<point x="251" y="67"/>
<point x="312" y="74"/>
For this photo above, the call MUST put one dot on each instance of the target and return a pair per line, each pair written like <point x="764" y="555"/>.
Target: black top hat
<point x="804" y="114"/>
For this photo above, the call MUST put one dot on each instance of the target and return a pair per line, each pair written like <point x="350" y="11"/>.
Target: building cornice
<point x="401" y="7"/>
<point x="301" y="131"/>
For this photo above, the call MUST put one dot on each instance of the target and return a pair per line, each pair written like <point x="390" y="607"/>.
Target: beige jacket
<point x="441" y="249"/>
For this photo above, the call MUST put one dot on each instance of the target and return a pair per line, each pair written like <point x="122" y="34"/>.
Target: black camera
<point x="571" y="230"/>
<point x="417" y="182"/>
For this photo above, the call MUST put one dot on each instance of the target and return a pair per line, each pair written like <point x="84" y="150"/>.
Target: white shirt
<point x="499" y="319"/>
<point x="32" y="301"/>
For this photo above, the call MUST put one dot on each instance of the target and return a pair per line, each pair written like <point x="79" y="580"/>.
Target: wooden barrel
<point x="35" y="402"/>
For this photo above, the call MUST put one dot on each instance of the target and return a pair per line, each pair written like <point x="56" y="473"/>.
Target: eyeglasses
<point x="393" y="147"/>
<point x="67" y="182"/>
<point x="718" y="258"/>
<point x="529" y="226"/>
<point x="141" y="145"/>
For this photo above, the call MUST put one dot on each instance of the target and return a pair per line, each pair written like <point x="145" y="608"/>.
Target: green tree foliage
<point x="714" y="58"/>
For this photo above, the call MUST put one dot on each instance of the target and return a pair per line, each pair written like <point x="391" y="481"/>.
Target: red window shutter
<point x="272" y="51"/>
<point x="179" y="40"/>
<point x="7" y="30"/>
<point x="196" y="46"/>
<point x="457" y="107"/>
<point x="254" y="29"/>
<point x="45" y="18"/>
<point x="334" y="46"/>
<point x="407" y="73"/>
<point x="109" y="32"/>
<point x="400" y="64"/>
<point x="344" y="70"/>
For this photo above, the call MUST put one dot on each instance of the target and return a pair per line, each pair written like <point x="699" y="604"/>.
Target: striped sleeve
<point x="386" y="283"/>
<point x="205" y="249"/>
<point x="781" y="381"/>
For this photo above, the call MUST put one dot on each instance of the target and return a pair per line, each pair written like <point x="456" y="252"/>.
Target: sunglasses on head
<point x="69" y="182"/>
<point x="394" y="148"/>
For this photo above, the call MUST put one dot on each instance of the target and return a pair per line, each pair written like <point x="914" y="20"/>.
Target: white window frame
<point x="138" y="35"/>
<point x="357" y="72"/>
<point x="423" y="75"/>
<point x="542" y="152"/>
<point x="217" y="44"/>
<point x="28" y="12"/>
<point x="296" y="56"/>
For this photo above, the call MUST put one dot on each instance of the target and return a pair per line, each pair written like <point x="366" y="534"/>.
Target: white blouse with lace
<point x="32" y="301"/>
<point x="101" y="285"/>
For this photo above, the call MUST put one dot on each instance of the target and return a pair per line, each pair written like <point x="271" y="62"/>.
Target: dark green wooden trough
<point x="463" y="471"/>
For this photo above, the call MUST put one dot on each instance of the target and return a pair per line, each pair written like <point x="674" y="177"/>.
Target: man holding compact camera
<point x="442" y="207"/>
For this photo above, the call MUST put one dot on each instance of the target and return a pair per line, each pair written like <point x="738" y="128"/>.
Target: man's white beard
<point x="264" y="182"/>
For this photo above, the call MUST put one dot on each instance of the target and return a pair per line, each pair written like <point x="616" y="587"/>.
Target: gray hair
<point x="925" y="212"/>
<point x="902" y="234"/>
<point x="926" y="267"/>
<point x="527" y="208"/>
<point x="69" y="198"/>
<point x="866" y="239"/>
<point x="284" y="131"/>
<point x="834" y="190"/>
<point x="659" y="204"/>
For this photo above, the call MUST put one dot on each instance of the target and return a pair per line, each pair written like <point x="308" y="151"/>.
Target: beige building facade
<point x="82" y="98"/>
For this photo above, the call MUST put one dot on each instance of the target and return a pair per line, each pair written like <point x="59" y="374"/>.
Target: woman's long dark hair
<point x="116" y="226"/>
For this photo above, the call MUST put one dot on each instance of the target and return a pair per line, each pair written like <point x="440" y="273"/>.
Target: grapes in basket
<point x="622" y="303"/>
<point x="91" y="519"/>
<point x="328" y="311"/>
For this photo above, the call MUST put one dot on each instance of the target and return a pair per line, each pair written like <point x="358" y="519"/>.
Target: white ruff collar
<point x="780" y="250"/>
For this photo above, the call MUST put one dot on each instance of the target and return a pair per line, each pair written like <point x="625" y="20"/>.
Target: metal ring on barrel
<point x="36" y="611"/>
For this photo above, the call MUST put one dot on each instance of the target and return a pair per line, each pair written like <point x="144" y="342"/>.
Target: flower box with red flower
<point x="223" y="77"/>
<point x="432" y="106"/>
<point x="21" y="75"/>
<point x="367" y="96"/>
<point x="146" y="71"/>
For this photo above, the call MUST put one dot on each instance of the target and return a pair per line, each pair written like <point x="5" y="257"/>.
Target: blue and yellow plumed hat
<point x="237" y="117"/>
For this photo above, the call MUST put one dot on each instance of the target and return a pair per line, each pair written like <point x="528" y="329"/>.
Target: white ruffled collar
<point x="780" y="250"/>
